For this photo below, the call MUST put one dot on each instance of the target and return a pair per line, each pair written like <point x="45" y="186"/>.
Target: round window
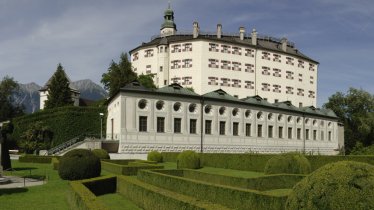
<point x="222" y="110"/>
<point x="270" y="116"/>
<point x="159" y="105"/>
<point x="248" y="113"/>
<point x="177" y="106"/>
<point x="235" y="112"/>
<point x="298" y="120"/>
<point x="259" y="115"/>
<point x="192" y="107"/>
<point x="289" y="119"/>
<point x="208" y="109"/>
<point x="280" y="117"/>
<point x="314" y="122"/>
<point x="142" y="104"/>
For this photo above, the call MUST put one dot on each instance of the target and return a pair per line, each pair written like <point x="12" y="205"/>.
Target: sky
<point x="86" y="35"/>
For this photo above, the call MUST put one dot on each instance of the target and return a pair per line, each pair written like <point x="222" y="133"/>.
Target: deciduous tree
<point x="356" y="110"/>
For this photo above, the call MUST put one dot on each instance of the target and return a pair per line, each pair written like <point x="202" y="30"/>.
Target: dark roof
<point x="220" y="95"/>
<point x="265" y="43"/>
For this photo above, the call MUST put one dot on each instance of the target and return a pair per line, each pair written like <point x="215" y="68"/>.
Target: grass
<point x="115" y="201"/>
<point x="51" y="195"/>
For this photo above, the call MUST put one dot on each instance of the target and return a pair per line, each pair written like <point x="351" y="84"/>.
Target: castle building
<point x="251" y="93"/>
<point x="173" y="119"/>
<point x="43" y="92"/>
<point x="242" y="64"/>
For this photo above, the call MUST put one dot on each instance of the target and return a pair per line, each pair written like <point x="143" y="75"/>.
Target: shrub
<point x="154" y="156"/>
<point x="101" y="154"/>
<point x="288" y="163"/>
<point x="188" y="159"/>
<point x="79" y="164"/>
<point x="340" y="185"/>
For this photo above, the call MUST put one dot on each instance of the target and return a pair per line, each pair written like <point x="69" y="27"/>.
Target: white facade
<point x="44" y="97"/>
<point x="140" y="124"/>
<point x="242" y="65"/>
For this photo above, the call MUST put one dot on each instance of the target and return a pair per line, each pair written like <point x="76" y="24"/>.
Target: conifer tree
<point x="59" y="93"/>
<point x="118" y="75"/>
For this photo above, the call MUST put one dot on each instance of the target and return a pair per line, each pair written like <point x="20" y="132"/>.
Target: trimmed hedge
<point x="101" y="154"/>
<point x="288" y="163"/>
<point x="188" y="159"/>
<point x="82" y="198"/>
<point x="263" y="183"/>
<point x="224" y="195"/>
<point x="150" y="197"/>
<point x="257" y="162"/>
<point x="55" y="163"/>
<point x="35" y="159"/>
<point x="65" y="122"/>
<point x="340" y="185"/>
<point x="154" y="156"/>
<point x="128" y="170"/>
<point x="79" y="164"/>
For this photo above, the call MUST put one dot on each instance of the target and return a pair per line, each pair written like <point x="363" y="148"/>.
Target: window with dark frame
<point x="222" y="125"/>
<point x="248" y="129"/>
<point x="160" y="124"/>
<point x="280" y="132"/>
<point x="270" y="131"/>
<point x="193" y="126"/>
<point x="259" y="130"/>
<point x="235" y="129"/>
<point x="208" y="127"/>
<point x="289" y="133"/>
<point x="177" y="125"/>
<point x="142" y="123"/>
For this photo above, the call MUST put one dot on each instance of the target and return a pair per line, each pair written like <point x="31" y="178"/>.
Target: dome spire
<point x="168" y="27"/>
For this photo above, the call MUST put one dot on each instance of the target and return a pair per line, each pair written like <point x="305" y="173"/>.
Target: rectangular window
<point x="248" y="129"/>
<point x="225" y="49"/>
<point x="259" y="130"/>
<point x="187" y="47"/>
<point x="213" y="47"/>
<point x="235" y="129"/>
<point x="329" y="136"/>
<point x="298" y="133"/>
<point x="280" y="132"/>
<point x="160" y="124"/>
<point x="208" y="127"/>
<point x="193" y="126"/>
<point x="222" y="127"/>
<point x="142" y="123"/>
<point x="289" y="133"/>
<point x="307" y="134"/>
<point x="249" y="53"/>
<point x="177" y="125"/>
<point x="148" y="53"/>
<point x="175" y="48"/>
<point x="249" y="84"/>
<point x="160" y="68"/>
<point x="148" y="69"/>
<point x="322" y="136"/>
<point x="213" y="63"/>
<point x="270" y="131"/>
<point x="314" y="135"/>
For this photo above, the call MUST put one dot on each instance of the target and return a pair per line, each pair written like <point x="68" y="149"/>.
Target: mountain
<point x="28" y="94"/>
<point x="90" y="90"/>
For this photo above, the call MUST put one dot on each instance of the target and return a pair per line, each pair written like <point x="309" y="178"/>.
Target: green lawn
<point x="48" y="196"/>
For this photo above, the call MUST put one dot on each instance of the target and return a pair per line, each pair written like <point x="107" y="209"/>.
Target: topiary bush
<point x="79" y="164"/>
<point x="288" y="163"/>
<point x="188" y="159"/>
<point x="101" y="154"/>
<point x="340" y="185"/>
<point x="154" y="156"/>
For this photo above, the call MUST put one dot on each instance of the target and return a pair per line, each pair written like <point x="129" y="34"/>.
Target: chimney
<point x="241" y="33"/>
<point x="219" y="31"/>
<point x="254" y="37"/>
<point x="195" y="32"/>
<point x="284" y="44"/>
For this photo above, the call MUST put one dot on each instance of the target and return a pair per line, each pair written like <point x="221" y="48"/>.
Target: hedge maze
<point x="149" y="186"/>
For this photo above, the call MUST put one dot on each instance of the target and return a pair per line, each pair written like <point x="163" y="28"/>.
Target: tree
<point x="6" y="130"/>
<point x="147" y="80"/>
<point x="59" y="93"/>
<point x="36" y="137"/>
<point x="118" y="75"/>
<point x="8" y="109"/>
<point x="356" y="110"/>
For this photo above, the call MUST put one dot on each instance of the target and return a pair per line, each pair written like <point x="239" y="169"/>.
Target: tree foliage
<point x="37" y="137"/>
<point x="59" y="93"/>
<point x="147" y="80"/>
<point x="118" y="75"/>
<point x="6" y="130"/>
<point x="8" y="109"/>
<point x="356" y="110"/>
